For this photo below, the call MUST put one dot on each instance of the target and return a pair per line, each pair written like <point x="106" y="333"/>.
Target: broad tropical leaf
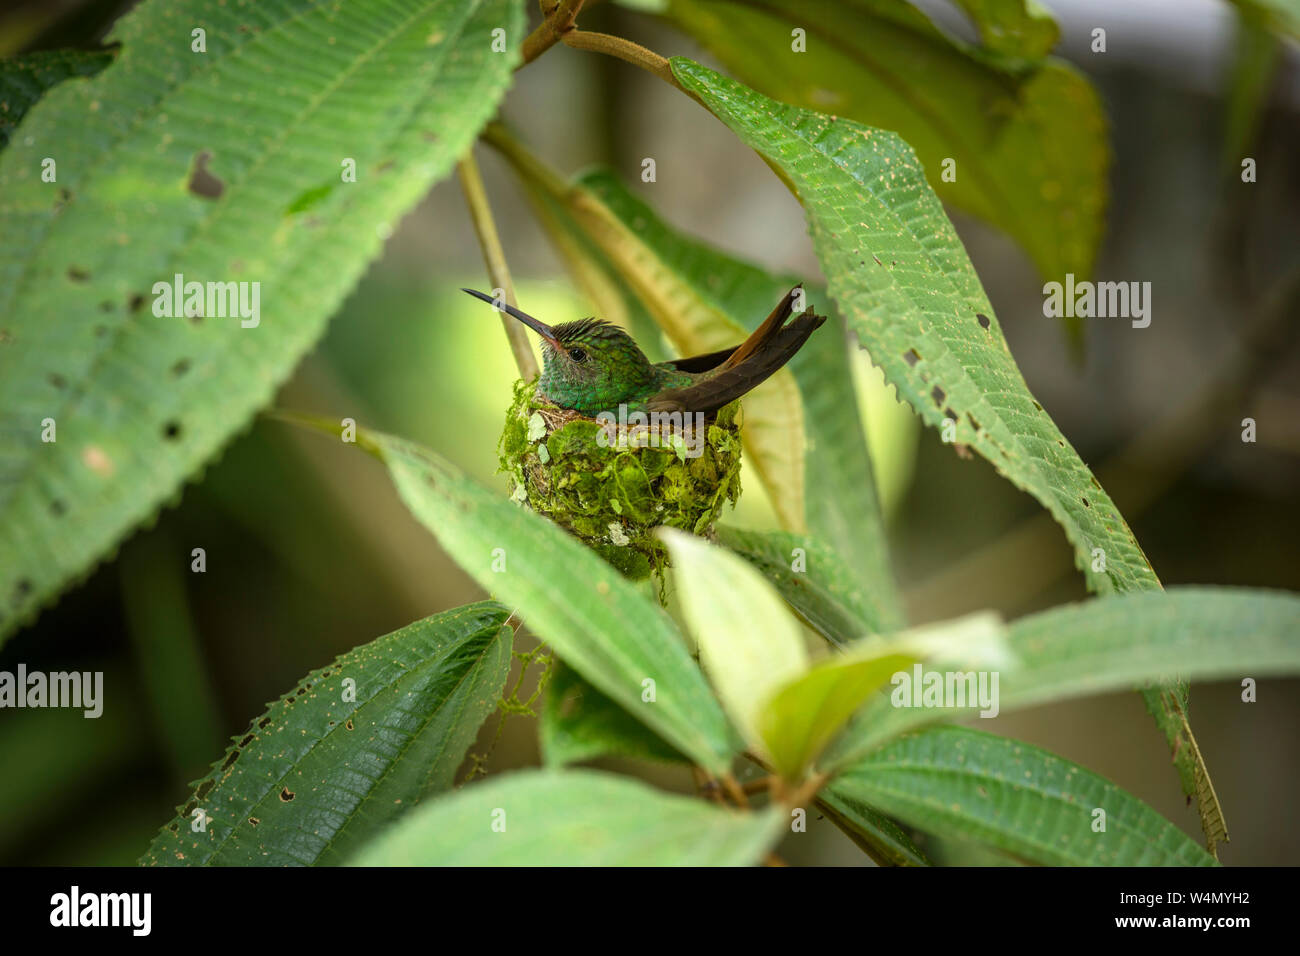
<point x="106" y="405"/>
<point x="903" y="281"/>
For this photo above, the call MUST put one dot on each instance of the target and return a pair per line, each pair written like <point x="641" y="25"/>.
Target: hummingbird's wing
<point x="715" y="389"/>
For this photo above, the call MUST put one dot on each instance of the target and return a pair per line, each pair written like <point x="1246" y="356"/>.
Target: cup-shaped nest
<point x="611" y="482"/>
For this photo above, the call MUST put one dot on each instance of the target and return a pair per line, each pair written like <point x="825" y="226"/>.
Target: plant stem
<point x="553" y="26"/>
<point x="471" y="183"/>
<point x="633" y="53"/>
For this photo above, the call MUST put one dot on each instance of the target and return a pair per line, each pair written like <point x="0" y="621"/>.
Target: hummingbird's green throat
<point x="591" y="366"/>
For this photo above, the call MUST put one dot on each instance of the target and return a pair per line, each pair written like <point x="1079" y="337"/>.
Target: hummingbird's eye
<point x="578" y="355"/>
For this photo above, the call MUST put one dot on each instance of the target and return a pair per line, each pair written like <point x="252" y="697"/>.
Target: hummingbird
<point x="592" y="366"/>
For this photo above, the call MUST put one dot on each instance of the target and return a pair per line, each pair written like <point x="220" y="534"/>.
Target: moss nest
<point x="611" y="486"/>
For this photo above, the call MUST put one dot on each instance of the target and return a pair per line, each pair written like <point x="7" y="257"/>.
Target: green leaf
<point x="803" y="715"/>
<point x="24" y="80"/>
<point x="921" y="310"/>
<point x="812" y="578"/>
<point x="1027" y="133"/>
<point x="573" y="818"/>
<point x="750" y="644"/>
<point x="966" y="784"/>
<point x="1112" y="644"/>
<point x="355" y="744"/>
<point x="172" y="162"/>
<point x="839" y="487"/>
<point x="580" y="723"/>
<point x="903" y="281"/>
<point x="597" y="622"/>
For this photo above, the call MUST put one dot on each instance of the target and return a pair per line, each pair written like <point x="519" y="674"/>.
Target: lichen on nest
<point x="611" y="486"/>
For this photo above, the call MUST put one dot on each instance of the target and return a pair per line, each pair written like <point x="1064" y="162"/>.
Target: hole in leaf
<point x="286" y="795"/>
<point x="202" y="182"/>
<point x="911" y="357"/>
<point x="230" y="761"/>
<point x="938" y="395"/>
<point x="1037" y="406"/>
<point x="172" y="430"/>
<point x="983" y="319"/>
<point x="254" y="821"/>
<point x="974" y="424"/>
<point x="133" y="304"/>
<point x="1085" y="502"/>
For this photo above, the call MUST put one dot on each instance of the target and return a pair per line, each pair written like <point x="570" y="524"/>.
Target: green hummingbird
<point x="592" y="366"/>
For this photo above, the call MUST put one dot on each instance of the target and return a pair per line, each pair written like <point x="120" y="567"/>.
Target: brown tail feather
<point x="761" y="335"/>
<point x="732" y="381"/>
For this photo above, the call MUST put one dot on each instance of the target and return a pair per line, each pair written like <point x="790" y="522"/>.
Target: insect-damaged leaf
<point x="172" y="162"/>
<point x="902" y="279"/>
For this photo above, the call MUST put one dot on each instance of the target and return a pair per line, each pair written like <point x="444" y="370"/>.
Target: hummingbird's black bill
<point x="537" y="325"/>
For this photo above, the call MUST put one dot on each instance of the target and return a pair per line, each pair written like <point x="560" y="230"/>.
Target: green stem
<point x="498" y="272"/>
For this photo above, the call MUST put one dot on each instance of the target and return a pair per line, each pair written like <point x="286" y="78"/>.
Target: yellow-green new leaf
<point x="750" y="643"/>
<point x="804" y="715"/>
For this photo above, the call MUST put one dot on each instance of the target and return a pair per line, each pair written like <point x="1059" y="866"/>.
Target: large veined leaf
<point x="355" y="744"/>
<point x="223" y="166"/>
<point x="598" y="622"/>
<point x="750" y="644"/>
<point x="573" y="818"/>
<point x="24" y="79"/>
<point x="966" y="784"/>
<point x="1022" y="136"/>
<point x="1111" y="644"/>
<point x="903" y="281"/>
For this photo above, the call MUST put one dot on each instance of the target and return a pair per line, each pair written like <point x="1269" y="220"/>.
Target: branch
<point x="633" y="53"/>
<point x="553" y="26"/>
<point x="498" y="272"/>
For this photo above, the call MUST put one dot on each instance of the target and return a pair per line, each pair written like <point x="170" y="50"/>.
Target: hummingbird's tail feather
<point x="764" y="334"/>
<point x="712" y="391"/>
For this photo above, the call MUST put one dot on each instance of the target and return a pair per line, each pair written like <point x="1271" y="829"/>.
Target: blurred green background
<point x="309" y="552"/>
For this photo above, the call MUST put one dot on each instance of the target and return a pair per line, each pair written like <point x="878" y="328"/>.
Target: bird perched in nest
<point x="592" y="366"/>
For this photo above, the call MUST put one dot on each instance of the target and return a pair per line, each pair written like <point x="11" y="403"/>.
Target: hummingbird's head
<point x="589" y="366"/>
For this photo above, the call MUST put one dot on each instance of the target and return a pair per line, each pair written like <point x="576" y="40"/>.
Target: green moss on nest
<point x="613" y="498"/>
